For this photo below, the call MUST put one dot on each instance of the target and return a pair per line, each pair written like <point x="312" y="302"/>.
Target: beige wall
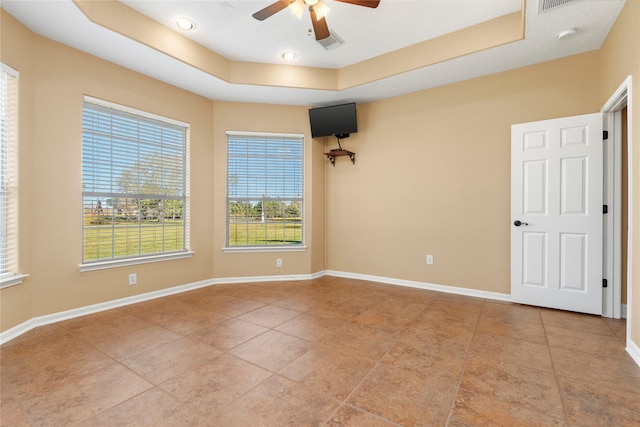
<point x="17" y="51"/>
<point x="53" y="80"/>
<point x="621" y="58"/>
<point x="432" y="175"/>
<point x="231" y="116"/>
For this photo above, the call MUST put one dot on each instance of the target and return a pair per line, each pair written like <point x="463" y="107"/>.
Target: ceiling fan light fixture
<point x="297" y="8"/>
<point x="185" y="24"/>
<point x="321" y="10"/>
<point x="311" y="2"/>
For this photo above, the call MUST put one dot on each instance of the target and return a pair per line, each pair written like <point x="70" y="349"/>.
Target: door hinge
<point x="605" y="135"/>
<point x="604" y="283"/>
<point x="605" y="209"/>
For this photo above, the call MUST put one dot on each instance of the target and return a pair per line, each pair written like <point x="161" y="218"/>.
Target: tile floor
<point x="326" y="352"/>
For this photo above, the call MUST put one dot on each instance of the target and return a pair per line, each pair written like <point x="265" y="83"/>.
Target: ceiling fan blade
<point x="367" y="3"/>
<point x="320" y="27"/>
<point x="272" y="9"/>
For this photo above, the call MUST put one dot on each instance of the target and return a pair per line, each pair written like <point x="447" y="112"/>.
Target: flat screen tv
<point x="338" y="120"/>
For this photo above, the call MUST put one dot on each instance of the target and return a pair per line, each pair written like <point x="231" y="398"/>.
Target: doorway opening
<point x="617" y="268"/>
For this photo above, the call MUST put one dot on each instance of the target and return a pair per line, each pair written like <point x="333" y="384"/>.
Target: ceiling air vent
<point x="544" y="5"/>
<point x="331" y="42"/>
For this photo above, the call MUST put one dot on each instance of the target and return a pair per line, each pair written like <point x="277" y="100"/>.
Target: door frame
<point x="612" y="296"/>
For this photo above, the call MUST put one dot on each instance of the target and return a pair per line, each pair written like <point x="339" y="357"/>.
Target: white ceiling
<point x="227" y="28"/>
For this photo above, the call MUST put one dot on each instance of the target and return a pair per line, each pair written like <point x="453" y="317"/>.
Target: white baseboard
<point x="423" y="285"/>
<point x="623" y="311"/>
<point x="48" y="319"/>
<point x="634" y="351"/>
<point x="279" y="278"/>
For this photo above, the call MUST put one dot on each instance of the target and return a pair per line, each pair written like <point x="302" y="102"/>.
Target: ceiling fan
<point x="317" y="10"/>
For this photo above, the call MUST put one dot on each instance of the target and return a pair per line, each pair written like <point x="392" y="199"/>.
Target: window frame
<point x="291" y="247"/>
<point x="8" y="174"/>
<point x="113" y="262"/>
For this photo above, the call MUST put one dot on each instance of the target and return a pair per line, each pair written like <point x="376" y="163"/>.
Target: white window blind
<point x="134" y="183"/>
<point x="264" y="190"/>
<point x="8" y="175"/>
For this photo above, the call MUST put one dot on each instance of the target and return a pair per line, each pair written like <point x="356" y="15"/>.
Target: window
<point x="8" y="177"/>
<point x="134" y="184"/>
<point x="264" y="190"/>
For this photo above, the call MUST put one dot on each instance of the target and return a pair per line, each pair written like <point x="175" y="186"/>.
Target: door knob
<point x="518" y="223"/>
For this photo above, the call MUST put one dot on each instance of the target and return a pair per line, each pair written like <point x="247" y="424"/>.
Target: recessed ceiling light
<point x="565" y="34"/>
<point x="289" y="55"/>
<point x="185" y="24"/>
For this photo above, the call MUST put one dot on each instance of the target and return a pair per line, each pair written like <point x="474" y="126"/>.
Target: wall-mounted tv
<point x="338" y="120"/>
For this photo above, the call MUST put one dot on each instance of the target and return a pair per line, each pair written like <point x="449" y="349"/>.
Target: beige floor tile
<point x="384" y="321"/>
<point x="348" y="416"/>
<point x="122" y="345"/>
<point x="508" y="312"/>
<point x="619" y="327"/>
<point x="265" y="293"/>
<point x="299" y="302"/>
<point x="148" y="409"/>
<point x="223" y="379"/>
<point x="272" y="350"/>
<point x="361" y="340"/>
<point x="39" y="337"/>
<point x="528" y="331"/>
<point x="611" y="368"/>
<point x="432" y="361"/>
<point x="205" y="298"/>
<point x="465" y="313"/>
<point x="229" y="334"/>
<point x="328" y="371"/>
<point x="219" y="303"/>
<point x="510" y="350"/>
<point x="472" y="409"/>
<point x="597" y="404"/>
<point x="96" y="326"/>
<point x="80" y="398"/>
<point x="311" y="328"/>
<point x="576" y="321"/>
<point x="410" y="306"/>
<point x="405" y="397"/>
<point x="193" y="320"/>
<point x="583" y="341"/>
<point x="323" y="352"/>
<point x="168" y="360"/>
<point x="449" y="339"/>
<point x="11" y="412"/>
<point x="39" y="372"/>
<point x="269" y="316"/>
<point x="236" y="307"/>
<point x="514" y="385"/>
<point x="277" y="402"/>
<point x="157" y="310"/>
<point x="346" y="310"/>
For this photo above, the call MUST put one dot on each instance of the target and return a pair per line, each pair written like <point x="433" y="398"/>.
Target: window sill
<point x="11" y="280"/>
<point x="243" y="249"/>
<point x="102" y="265"/>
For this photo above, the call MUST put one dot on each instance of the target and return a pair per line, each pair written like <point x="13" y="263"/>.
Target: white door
<point x="556" y="213"/>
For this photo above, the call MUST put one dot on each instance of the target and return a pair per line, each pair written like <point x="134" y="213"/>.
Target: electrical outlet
<point x="279" y="262"/>
<point x="429" y="259"/>
<point x="133" y="279"/>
